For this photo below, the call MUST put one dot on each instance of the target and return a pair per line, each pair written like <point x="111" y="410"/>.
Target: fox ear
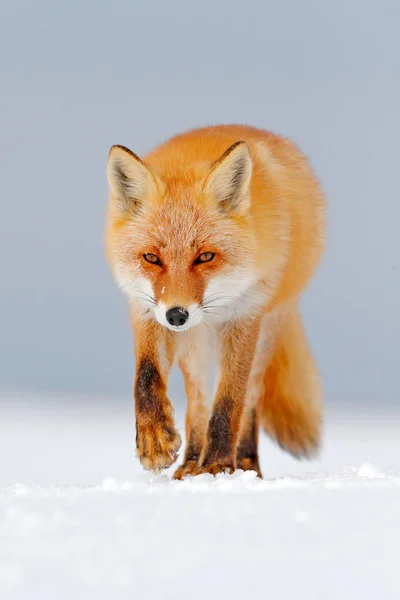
<point x="229" y="180"/>
<point x="131" y="181"/>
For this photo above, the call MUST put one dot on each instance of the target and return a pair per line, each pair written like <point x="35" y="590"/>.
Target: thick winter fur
<point x="226" y="224"/>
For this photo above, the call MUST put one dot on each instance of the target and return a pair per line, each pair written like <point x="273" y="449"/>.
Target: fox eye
<point x="204" y="257"/>
<point x="152" y="258"/>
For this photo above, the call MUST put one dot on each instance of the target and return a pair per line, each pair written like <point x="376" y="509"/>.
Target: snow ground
<point x="80" y="519"/>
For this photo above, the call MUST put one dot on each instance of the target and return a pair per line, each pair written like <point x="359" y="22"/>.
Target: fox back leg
<point x="291" y="401"/>
<point x="247" y="450"/>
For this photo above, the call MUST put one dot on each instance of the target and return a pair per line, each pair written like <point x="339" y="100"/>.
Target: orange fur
<point x="248" y="199"/>
<point x="291" y="402"/>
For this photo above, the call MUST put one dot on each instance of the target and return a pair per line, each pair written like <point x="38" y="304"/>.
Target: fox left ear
<point x="132" y="183"/>
<point x="229" y="180"/>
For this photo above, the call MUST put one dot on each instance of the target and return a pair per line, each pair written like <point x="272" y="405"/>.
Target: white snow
<point x="80" y="519"/>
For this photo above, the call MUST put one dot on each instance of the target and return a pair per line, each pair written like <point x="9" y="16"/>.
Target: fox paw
<point x="157" y="446"/>
<point x="214" y="469"/>
<point x="188" y="468"/>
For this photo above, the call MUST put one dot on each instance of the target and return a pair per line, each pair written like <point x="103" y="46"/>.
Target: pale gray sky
<point x="78" y="77"/>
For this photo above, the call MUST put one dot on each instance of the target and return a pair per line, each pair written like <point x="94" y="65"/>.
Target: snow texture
<point x="84" y="520"/>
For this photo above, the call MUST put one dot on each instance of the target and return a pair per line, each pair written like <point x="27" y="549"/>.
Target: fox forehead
<point x="181" y="226"/>
<point x="178" y="223"/>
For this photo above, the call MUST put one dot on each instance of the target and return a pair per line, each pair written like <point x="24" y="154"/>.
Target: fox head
<point x="179" y="239"/>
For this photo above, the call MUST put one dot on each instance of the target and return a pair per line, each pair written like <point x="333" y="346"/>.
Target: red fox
<point x="213" y="236"/>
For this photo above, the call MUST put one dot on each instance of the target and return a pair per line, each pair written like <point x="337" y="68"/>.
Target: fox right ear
<point x="229" y="180"/>
<point x="131" y="181"/>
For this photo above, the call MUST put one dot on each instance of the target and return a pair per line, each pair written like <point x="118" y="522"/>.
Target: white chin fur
<point x="136" y="288"/>
<point x="232" y="296"/>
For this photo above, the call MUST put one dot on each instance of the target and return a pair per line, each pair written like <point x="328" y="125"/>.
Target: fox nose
<point x="177" y="316"/>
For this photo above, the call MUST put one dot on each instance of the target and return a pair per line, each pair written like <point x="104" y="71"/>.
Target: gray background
<point x="78" y="77"/>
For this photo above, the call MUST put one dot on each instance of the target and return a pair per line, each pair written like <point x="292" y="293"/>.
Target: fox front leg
<point x="237" y="352"/>
<point x="157" y="440"/>
<point x="196" y="360"/>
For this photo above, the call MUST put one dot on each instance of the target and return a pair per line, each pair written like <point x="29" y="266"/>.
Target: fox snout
<point x="177" y="316"/>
